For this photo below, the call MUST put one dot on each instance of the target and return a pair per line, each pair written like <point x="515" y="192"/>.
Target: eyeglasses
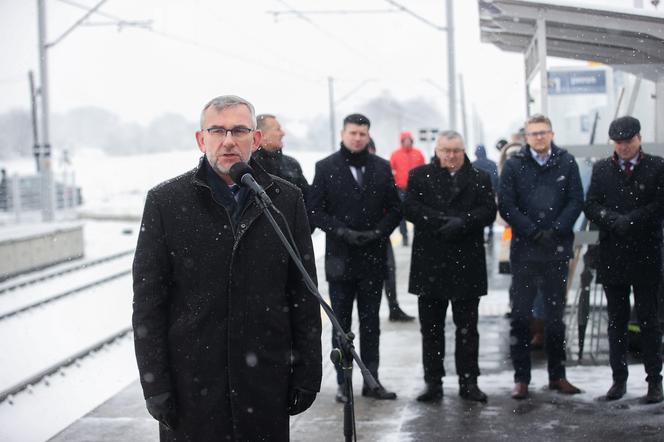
<point x="450" y="151"/>
<point x="238" y="132"/>
<point x="539" y="134"/>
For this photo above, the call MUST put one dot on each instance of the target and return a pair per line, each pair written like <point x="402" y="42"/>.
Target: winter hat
<point x="624" y="128"/>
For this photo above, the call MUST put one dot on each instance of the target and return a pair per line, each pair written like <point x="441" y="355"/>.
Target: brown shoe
<point x="563" y="386"/>
<point x="520" y="391"/>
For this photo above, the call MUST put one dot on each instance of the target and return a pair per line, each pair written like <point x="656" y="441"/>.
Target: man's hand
<point x="300" y="400"/>
<point x="368" y="236"/>
<point x="350" y="236"/>
<point x="162" y="408"/>
<point x="621" y="225"/>
<point x="452" y="226"/>
<point x="546" y="238"/>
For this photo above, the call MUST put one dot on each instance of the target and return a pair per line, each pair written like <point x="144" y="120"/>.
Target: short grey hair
<point x="225" y="101"/>
<point x="261" y="120"/>
<point x="451" y="134"/>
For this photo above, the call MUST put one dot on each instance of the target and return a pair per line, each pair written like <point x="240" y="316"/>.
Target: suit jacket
<point x="454" y="267"/>
<point x="337" y="201"/>
<point x="533" y="198"/>
<point x="636" y="256"/>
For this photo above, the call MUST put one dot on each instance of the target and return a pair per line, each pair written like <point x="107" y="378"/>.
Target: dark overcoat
<point x="336" y="201"/>
<point x="635" y="257"/>
<point x="451" y="268"/>
<point x="534" y="198"/>
<point x="222" y="317"/>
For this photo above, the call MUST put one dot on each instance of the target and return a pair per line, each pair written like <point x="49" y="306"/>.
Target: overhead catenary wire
<point x="207" y="47"/>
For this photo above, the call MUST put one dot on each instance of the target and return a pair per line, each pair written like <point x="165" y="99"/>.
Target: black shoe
<point x="472" y="392"/>
<point x="432" y="393"/>
<point x="655" y="394"/>
<point x="617" y="390"/>
<point x="398" y="315"/>
<point x="341" y="395"/>
<point x="379" y="393"/>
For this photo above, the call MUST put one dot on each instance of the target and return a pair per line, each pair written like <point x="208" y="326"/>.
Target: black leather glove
<point x="350" y="236"/>
<point x="452" y="226"/>
<point x="300" y="400"/>
<point x="546" y="238"/>
<point x="621" y="225"/>
<point x="162" y="408"/>
<point x="367" y="236"/>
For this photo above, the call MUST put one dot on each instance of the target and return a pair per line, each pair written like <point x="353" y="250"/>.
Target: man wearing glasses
<point x="449" y="202"/>
<point x="626" y="201"/>
<point x="227" y="336"/>
<point x="540" y="197"/>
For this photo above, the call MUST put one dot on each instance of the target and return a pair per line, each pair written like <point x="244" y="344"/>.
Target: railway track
<point x="43" y="289"/>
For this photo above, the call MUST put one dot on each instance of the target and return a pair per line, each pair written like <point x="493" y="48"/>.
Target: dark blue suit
<point x="534" y="198"/>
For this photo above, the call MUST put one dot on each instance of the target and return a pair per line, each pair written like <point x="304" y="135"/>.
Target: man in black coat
<point x="271" y="157"/>
<point x="449" y="202"/>
<point x="540" y="197"/>
<point x="626" y="201"/>
<point x="355" y="202"/>
<point x="227" y="336"/>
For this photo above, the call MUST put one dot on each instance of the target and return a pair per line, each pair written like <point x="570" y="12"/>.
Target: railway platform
<point x="546" y="416"/>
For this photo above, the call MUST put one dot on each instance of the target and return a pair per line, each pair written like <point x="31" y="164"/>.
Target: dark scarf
<point x="358" y="159"/>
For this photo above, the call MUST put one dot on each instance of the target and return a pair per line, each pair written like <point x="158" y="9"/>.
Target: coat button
<point x="276" y="190"/>
<point x="242" y="226"/>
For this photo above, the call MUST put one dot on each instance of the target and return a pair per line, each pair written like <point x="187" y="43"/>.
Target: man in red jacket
<point x="403" y="159"/>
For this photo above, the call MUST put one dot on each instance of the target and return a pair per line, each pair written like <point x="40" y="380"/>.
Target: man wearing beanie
<point x="626" y="201"/>
<point x="354" y="201"/>
<point x="402" y="160"/>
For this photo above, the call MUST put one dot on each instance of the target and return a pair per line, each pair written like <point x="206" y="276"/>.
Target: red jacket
<point x="402" y="160"/>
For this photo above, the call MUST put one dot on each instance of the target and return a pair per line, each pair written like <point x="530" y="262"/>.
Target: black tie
<point x="359" y="177"/>
<point x="628" y="168"/>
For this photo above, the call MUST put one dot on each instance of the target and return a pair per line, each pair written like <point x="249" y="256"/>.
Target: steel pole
<point x="47" y="200"/>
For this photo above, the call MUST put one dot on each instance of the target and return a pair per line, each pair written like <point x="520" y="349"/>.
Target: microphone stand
<point x="345" y="354"/>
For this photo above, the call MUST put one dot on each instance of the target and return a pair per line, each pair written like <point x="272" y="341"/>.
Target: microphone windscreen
<point x="238" y="170"/>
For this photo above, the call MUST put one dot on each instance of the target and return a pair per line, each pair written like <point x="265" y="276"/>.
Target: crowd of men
<point x="228" y="337"/>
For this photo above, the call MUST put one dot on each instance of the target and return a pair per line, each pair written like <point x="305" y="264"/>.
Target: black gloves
<point x="162" y="408"/>
<point x="621" y="225"/>
<point x="300" y="400"/>
<point x="357" y="237"/>
<point x="452" y="226"/>
<point x="545" y="238"/>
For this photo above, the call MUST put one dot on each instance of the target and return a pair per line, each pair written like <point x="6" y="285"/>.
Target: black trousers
<point x="432" y="311"/>
<point x="368" y="292"/>
<point x="549" y="278"/>
<point x="646" y="304"/>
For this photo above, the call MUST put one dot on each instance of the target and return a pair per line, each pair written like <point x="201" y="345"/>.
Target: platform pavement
<point x="546" y="416"/>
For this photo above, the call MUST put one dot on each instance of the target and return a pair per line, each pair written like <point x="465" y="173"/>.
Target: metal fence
<point x="21" y="196"/>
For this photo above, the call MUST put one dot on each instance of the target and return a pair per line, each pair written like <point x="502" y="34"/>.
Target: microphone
<point x="243" y="175"/>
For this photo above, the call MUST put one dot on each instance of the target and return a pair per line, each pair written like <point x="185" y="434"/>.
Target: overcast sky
<point x="198" y="49"/>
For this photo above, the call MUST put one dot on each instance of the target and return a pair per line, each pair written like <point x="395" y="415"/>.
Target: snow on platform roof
<point x="628" y="39"/>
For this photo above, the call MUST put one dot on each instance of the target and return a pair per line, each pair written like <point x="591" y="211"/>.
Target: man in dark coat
<point x="449" y="202"/>
<point x="540" y="197"/>
<point x="626" y="201"/>
<point x="271" y="157"/>
<point x="483" y="163"/>
<point x="355" y="202"/>
<point x="227" y="337"/>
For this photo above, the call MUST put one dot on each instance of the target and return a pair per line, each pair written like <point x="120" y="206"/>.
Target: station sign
<point x="577" y="82"/>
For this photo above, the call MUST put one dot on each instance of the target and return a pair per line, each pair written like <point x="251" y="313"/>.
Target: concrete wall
<point x="35" y="250"/>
